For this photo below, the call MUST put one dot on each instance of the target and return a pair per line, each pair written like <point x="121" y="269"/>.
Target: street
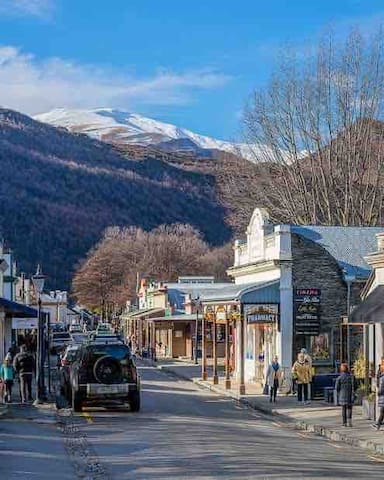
<point x="184" y="432"/>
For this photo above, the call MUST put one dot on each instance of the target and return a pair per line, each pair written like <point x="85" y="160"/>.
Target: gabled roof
<point x="348" y="245"/>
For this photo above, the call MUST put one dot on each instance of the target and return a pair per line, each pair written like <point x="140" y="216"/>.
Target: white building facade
<point x="265" y="259"/>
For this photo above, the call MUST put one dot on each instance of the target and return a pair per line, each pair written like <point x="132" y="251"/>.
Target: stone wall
<point x="314" y="267"/>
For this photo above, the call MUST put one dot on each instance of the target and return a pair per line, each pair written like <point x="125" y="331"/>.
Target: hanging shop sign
<point x="261" y="313"/>
<point x="221" y="315"/>
<point x="234" y="313"/>
<point x="209" y="314"/>
<point x="307" y="311"/>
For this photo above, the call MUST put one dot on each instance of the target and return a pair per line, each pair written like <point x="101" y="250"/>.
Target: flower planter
<point x="369" y="407"/>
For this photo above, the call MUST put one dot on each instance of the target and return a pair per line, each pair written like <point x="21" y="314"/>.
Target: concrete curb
<point x="326" y="432"/>
<point x="3" y="410"/>
<point x="320" y="430"/>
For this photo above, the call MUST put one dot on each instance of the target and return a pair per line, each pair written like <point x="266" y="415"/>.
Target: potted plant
<point x="359" y="373"/>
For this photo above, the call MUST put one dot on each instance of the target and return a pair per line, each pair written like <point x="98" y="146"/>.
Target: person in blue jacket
<point x="7" y="375"/>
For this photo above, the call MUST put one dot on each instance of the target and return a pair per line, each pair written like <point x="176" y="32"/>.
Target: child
<point x="7" y="374"/>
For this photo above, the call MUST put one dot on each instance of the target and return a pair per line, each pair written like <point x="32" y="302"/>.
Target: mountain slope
<point x="59" y="191"/>
<point x="124" y="128"/>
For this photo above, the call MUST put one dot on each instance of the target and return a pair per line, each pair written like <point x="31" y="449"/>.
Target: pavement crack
<point x="84" y="459"/>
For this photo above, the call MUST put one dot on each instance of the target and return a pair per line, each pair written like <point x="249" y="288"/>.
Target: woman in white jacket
<point x="274" y="377"/>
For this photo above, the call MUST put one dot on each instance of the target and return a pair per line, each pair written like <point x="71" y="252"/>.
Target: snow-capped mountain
<point x="116" y="126"/>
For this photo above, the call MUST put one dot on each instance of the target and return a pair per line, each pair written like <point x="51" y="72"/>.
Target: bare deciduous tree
<point x="317" y="131"/>
<point x="109" y="273"/>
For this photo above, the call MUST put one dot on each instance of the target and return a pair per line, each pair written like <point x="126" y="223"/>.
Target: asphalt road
<point x="184" y="432"/>
<point x="32" y="447"/>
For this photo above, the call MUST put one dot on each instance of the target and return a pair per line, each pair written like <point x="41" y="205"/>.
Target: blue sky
<point x="192" y="63"/>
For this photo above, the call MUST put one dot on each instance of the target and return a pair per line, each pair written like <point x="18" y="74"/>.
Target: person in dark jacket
<point x="380" y="395"/>
<point x="24" y="365"/>
<point x="344" y="388"/>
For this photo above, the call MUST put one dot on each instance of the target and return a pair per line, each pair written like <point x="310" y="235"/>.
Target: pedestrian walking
<point x="7" y="375"/>
<point x="274" y="377"/>
<point x="345" y="393"/>
<point x="302" y="373"/>
<point x="380" y="395"/>
<point x="24" y="365"/>
<point x="13" y="350"/>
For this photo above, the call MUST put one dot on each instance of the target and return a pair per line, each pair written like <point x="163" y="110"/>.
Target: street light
<point x="349" y="279"/>
<point x="38" y="283"/>
<point x="196" y="301"/>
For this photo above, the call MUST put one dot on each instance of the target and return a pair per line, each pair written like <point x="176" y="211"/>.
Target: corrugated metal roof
<point x="348" y="245"/>
<point x="178" y="291"/>
<point x="256" y="292"/>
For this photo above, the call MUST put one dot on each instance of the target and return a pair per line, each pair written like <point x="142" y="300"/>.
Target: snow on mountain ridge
<point x="132" y="128"/>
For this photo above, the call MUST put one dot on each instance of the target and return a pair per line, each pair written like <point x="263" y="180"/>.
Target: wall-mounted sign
<point x="24" y="323"/>
<point x="261" y="313"/>
<point x="307" y="311"/>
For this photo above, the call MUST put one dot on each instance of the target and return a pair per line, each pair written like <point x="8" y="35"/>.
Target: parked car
<point x="64" y="372"/>
<point x="106" y="338"/>
<point x="104" y="328"/>
<point x="75" y="329"/>
<point x="57" y="327"/>
<point x="103" y="372"/>
<point x="59" y="340"/>
<point x="79" y="337"/>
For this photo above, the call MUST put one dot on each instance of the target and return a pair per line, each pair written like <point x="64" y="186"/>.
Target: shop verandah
<point x="248" y="318"/>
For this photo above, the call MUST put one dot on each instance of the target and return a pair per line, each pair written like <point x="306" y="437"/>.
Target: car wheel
<point x="76" y="401"/>
<point x="134" y="401"/>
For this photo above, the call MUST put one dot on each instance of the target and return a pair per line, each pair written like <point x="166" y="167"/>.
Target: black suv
<point x="102" y="372"/>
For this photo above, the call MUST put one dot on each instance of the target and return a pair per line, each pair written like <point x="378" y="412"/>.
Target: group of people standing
<point x="301" y="377"/>
<point x="15" y="364"/>
<point x="344" y="392"/>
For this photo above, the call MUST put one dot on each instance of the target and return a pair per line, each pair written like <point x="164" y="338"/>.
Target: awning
<point x="17" y="310"/>
<point x="148" y="312"/>
<point x="260" y="292"/>
<point x="182" y="317"/>
<point x="371" y="310"/>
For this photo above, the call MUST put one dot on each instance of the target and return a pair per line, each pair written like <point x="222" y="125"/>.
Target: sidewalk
<point x="318" y="417"/>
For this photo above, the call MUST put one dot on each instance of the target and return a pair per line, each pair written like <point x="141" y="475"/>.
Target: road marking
<point x="303" y="435"/>
<point x="376" y="459"/>
<point x="277" y="424"/>
<point x="334" y="445"/>
<point x="87" y="417"/>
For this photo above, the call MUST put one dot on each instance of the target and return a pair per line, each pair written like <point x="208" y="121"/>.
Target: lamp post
<point x="38" y="282"/>
<point x="196" y="301"/>
<point x="349" y="280"/>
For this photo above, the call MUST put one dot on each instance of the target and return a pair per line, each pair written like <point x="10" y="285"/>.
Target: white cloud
<point x="33" y="86"/>
<point x="38" y="8"/>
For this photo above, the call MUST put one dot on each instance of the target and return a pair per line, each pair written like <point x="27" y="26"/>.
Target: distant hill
<point x="59" y="191"/>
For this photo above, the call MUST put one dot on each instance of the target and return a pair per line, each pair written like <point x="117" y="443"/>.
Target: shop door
<point x="259" y="354"/>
